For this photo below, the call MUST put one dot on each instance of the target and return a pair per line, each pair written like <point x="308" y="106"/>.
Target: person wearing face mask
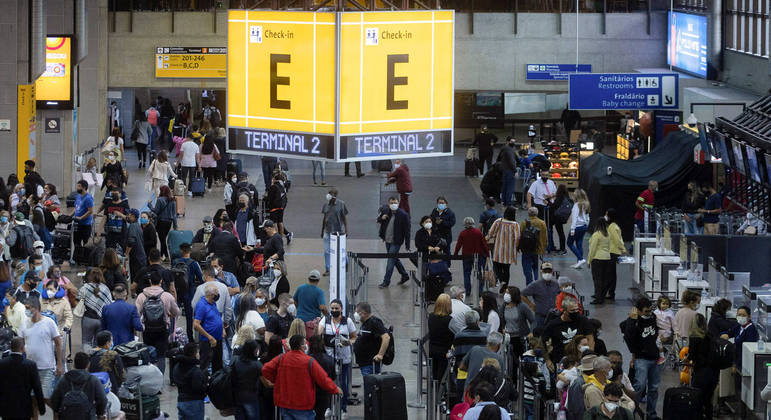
<point x="5" y="224"/>
<point x="203" y="238"/>
<point x="44" y="346"/>
<point x="509" y="162"/>
<point x="112" y="169"/>
<point x="372" y="341"/>
<point x="273" y="248"/>
<point x="560" y="331"/>
<point x="595" y="383"/>
<point x="228" y="248"/>
<point x="47" y="261"/>
<point x="401" y="177"/>
<point x="544" y="293"/>
<point x="115" y="211"/>
<point x="29" y="288"/>
<point x="14" y="311"/>
<point x="427" y="239"/>
<point x="472" y="242"/>
<point x="641" y="333"/>
<point x="82" y="214"/>
<point x="611" y="405"/>
<point x="154" y="334"/>
<point x="690" y="302"/>
<point x="394" y="230"/>
<point x="121" y="318"/>
<point x="518" y="320"/>
<point x="311" y="305"/>
<point x="459" y="309"/>
<point x="209" y="324"/>
<point x="339" y="334"/>
<point x="263" y="308"/>
<point x="148" y="233"/>
<point x="443" y="219"/>
<point x="244" y="221"/>
<point x="744" y="332"/>
<point x="334" y="221"/>
<point x="567" y="288"/>
<point x="33" y="182"/>
<point x="541" y="195"/>
<point x="54" y="301"/>
<point x="645" y="202"/>
<point x="279" y="323"/>
<point x="230" y="193"/>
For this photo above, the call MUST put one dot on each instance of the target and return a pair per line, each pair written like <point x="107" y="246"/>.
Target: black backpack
<point x="180" y="272"/>
<point x="489" y="224"/>
<point x="561" y="214"/>
<point x="528" y="239"/>
<point x="154" y="314"/>
<point x="390" y="353"/>
<point x="721" y="353"/>
<point x="75" y="404"/>
<point x="220" y="388"/>
<point x="25" y="240"/>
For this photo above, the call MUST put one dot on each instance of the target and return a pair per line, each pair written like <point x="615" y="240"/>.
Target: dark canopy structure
<point x="670" y="163"/>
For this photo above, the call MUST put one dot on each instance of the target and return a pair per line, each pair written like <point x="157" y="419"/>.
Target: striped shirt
<point x="95" y="302"/>
<point x="505" y="234"/>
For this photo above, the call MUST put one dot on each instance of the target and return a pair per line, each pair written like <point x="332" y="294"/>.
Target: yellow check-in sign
<point x="191" y="62"/>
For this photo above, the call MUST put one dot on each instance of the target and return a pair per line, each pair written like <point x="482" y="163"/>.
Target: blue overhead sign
<point x="555" y="71"/>
<point x="623" y="91"/>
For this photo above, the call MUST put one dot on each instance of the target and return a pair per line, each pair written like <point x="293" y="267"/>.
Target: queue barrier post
<point x="418" y="403"/>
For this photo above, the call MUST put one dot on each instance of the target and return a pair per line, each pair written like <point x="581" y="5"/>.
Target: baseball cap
<point x="19" y="215"/>
<point x="134" y="212"/>
<point x="267" y="223"/>
<point x="314" y="275"/>
<point x="208" y="219"/>
<point x="546" y="266"/>
<point x="38" y="244"/>
<point x="564" y="280"/>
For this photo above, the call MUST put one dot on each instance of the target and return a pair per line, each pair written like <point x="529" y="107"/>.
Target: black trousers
<point x="358" y="167"/>
<point x="209" y="173"/>
<point x="211" y="355"/>
<point x="163" y="228"/>
<point x="611" y="276"/>
<point x="82" y="234"/>
<point x="159" y="340"/>
<point x="502" y="272"/>
<point x="560" y="228"/>
<point x="141" y="152"/>
<point x="599" y="277"/>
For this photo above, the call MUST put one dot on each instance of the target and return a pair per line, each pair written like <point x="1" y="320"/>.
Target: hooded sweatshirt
<point x="593" y="390"/>
<point x="642" y="335"/>
<point x="190" y="379"/>
<point x="82" y="380"/>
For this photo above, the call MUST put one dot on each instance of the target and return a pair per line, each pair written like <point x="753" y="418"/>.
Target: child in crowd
<point x="664" y="319"/>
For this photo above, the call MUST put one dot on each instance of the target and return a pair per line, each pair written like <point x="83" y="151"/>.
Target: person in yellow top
<point x="616" y="249"/>
<point x="599" y="260"/>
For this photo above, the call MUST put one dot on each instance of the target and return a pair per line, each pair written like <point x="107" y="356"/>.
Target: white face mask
<point x="277" y="273"/>
<point x="396" y="165"/>
<point x="741" y="320"/>
<point x="547" y="276"/>
<point x="38" y="251"/>
<point x="568" y="289"/>
<point x="292" y="309"/>
<point x="329" y="197"/>
<point x="583" y="348"/>
<point x="234" y="179"/>
<point x="356" y="317"/>
<point x="611" y="406"/>
<point x="393" y="206"/>
<point x="610" y="373"/>
<point x="507" y="298"/>
<point x="428" y="225"/>
<point x="260" y="301"/>
<point x="216" y="271"/>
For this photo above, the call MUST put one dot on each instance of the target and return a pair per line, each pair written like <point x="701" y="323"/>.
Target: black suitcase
<point x="472" y="168"/>
<point x="82" y="255"/>
<point x="134" y="353"/>
<point x="385" y="397"/>
<point x="682" y="403"/>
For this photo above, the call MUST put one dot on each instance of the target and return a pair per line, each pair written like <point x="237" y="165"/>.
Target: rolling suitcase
<point x="177" y="238"/>
<point x="198" y="185"/>
<point x="682" y="403"/>
<point x="472" y="167"/>
<point x="180" y="200"/>
<point x="385" y="397"/>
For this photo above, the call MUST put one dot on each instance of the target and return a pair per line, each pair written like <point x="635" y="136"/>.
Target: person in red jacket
<point x="295" y="376"/>
<point x="472" y="242"/>
<point x="401" y="176"/>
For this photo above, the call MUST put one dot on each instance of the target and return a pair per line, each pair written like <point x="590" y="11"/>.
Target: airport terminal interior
<point x="426" y="209"/>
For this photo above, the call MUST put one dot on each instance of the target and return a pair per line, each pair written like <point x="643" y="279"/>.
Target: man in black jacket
<point x="190" y="381"/>
<point x="142" y="279"/>
<point x="33" y="182"/>
<point x="641" y="334"/>
<point x="227" y="247"/>
<point x="394" y="230"/>
<point x="22" y="379"/>
<point x="273" y="248"/>
<point x="508" y="159"/>
<point x="80" y="379"/>
<point x="485" y="141"/>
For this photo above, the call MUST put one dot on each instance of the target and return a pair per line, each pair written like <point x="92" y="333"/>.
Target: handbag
<point x="5" y="272"/>
<point x="80" y="309"/>
<point x="488" y="276"/>
<point x="216" y="154"/>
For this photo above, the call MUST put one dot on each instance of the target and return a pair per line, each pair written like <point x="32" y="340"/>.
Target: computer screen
<point x="687" y="43"/>
<point x="724" y="155"/>
<point x="737" y="147"/>
<point x="752" y="163"/>
<point x="768" y="166"/>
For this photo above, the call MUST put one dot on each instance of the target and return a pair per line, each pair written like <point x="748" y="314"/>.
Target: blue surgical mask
<point x="441" y="206"/>
<point x="3" y="219"/>
<point x="143" y="220"/>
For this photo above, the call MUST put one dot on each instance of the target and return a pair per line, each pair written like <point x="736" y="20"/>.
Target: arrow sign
<point x="600" y="91"/>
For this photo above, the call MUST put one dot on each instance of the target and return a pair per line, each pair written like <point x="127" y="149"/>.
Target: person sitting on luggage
<point x="157" y="323"/>
<point x="79" y="379"/>
<point x="142" y="279"/>
<point x="610" y="406"/>
<point x="204" y="236"/>
<point x="191" y="383"/>
<point x="121" y="318"/>
<point x="483" y="397"/>
<point x="107" y="360"/>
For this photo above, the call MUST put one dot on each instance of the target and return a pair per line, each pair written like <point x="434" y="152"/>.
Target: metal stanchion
<point x="418" y="403"/>
<point x="475" y="279"/>
<point x="430" y="395"/>
<point x="520" y="392"/>
<point x="415" y="302"/>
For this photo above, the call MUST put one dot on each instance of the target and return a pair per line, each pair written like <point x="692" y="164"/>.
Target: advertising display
<point x="396" y="84"/>
<point x="687" y="43"/>
<point x="53" y="89"/>
<point x="191" y="62"/>
<point x="391" y="95"/>
<point x="281" y="83"/>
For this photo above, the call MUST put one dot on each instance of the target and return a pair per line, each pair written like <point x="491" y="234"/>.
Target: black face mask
<point x="545" y="179"/>
<point x="80" y="191"/>
<point x="116" y="197"/>
<point x="335" y="314"/>
<point x="26" y="171"/>
<point x="242" y="205"/>
<point x="216" y="298"/>
<point x="572" y="316"/>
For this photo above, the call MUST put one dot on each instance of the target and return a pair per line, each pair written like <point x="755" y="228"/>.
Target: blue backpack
<point x="51" y="315"/>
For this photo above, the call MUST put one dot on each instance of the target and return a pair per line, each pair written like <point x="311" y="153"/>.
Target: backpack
<point x="180" y="272"/>
<point x="489" y="223"/>
<point x="721" y="353"/>
<point x="562" y="213"/>
<point x="51" y="315"/>
<point x="528" y="240"/>
<point x="154" y="314"/>
<point x="390" y="353"/>
<point x="135" y="132"/>
<point x="215" y="118"/>
<point x="25" y="240"/>
<point x="75" y="404"/>
<point x="220" y="388"/>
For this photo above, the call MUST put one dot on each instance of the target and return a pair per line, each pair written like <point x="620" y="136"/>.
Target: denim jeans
<point x="468" y="265"/>
<point x="647" y="373"/>
<point x="322" y="167"/>
<point x="530" y="267"/>
<point x="576" y="242"/>
<point x="367" y="369"/>
<point x="690" y="228"/>
<point x="393" y="249"/>
<point x="326" y="250"/>
<point x="507" y="187"/>
<point x="287" y="414"/>
<point x="190" y="410"/>
<point x="247" y="411"/>
<point x="153" y="136"/>
<point x="345" y="380"/>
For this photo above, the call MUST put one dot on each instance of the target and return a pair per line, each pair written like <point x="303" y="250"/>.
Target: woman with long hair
<point x="504" y="233"/>
<point x="440" y="336"/>
<point x="692" y="202"/>
<point x="112" y="169"/>
<point x="578" y="226"/>
<point x="112" y="269"/>
<point x="166" y="211"/>
<point x="556" y="224"/>
<point x="518" y="320"/>
<point x="316" y="350"/>
<point x="210" y="154"/>
<point x="248" y="315"/>
<point x="95" y="296"/>
<point x="616" y="249"/>
<point x="49" y="194"/>
<point x="149" y="234"/>
<point x="114" y="144"/>
<point x="705" y="374"/>
<point x="489" y="306"/>
<point x="599" y="260"/>
<point x="159" y="171"/>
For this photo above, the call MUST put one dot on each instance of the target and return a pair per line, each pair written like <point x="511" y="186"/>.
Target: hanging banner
<point x="337" y="268"/>
<point x="25" y="136"/>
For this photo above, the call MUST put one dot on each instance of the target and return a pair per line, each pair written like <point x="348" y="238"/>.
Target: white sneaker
<point x="189" y="193"/>
<point x="579" y="264"/>
<point x="328" y="414"/>
<point x="344" y="416"/>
